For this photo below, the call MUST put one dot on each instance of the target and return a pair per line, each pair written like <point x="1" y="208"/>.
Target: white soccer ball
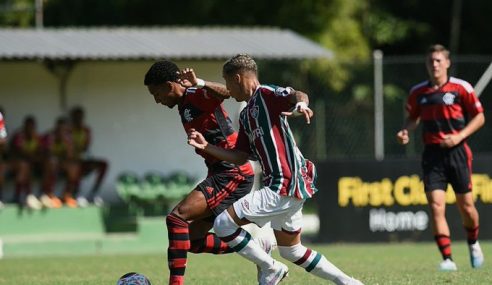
<point x="133" y="278"/>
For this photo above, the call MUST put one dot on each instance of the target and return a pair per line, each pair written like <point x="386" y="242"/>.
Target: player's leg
<point x="203" y="241"/>
<point x="246" y="210"/>
<point x="192" y="207"/>
<point x="460" y="162"/>
<point x="100" y="167"/>
<point x="437" y="204"/>
<point x="72" y="173"/>
<point x="3" y="171"/>
<point x="50" y="170"/>
<point x="288" y="234"/>
<point x="435" y="183"/>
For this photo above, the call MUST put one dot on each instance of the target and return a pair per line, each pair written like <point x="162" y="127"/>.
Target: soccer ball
<point x="133" y="278"/>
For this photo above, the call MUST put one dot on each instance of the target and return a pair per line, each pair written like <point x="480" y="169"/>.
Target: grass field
<point x="405" y="263"/>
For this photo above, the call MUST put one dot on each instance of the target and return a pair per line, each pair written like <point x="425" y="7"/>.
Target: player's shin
<point x="211" y="243"/>
<point x="240" y="241"/>
<point x="179" y="244"/>
<point x="313" y="262"/>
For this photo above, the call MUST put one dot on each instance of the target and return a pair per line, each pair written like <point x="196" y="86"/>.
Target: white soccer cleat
<point x="268" y="245"/>
<point x="33" y="203"/>
<point x="476" y="255"/>
<point x="275" y="274"/>
<point x="447" y="265"/>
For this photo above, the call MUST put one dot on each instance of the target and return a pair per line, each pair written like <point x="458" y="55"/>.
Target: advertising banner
<point x="368" y="200"/>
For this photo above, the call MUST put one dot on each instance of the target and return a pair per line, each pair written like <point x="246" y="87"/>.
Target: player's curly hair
<point x="160" y="72"/>
<point x="239" y="63"/>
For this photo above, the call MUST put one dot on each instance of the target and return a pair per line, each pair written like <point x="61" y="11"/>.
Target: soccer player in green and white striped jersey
<point x="289" y="178"/>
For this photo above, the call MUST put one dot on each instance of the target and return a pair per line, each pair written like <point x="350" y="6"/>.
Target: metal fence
<point x="344" y="126"/>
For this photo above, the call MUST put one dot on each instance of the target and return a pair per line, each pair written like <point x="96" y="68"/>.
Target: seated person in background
<point x="60" y="157"/>
<point x="26" y="158"/>
<point x="3" y="163"/>
<point x="81" y="139"/>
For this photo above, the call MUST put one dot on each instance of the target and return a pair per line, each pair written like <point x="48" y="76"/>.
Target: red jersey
<point x="442" y="111"/>
<point x="208" y="116"/>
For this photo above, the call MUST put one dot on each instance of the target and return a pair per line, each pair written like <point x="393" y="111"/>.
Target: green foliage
<point x="17" y="13"/>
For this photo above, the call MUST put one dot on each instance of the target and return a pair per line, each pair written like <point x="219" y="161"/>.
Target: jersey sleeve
<point x="471" y="103"/>
<point x="277" y="98"/>
<point x="201" y="98"/>
<point x="412" y="106"/>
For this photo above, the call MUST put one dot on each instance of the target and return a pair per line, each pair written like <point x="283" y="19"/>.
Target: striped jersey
<point x="265" y="133"/>
<point x="207" y="115"/>
<point x="444" y="110"/>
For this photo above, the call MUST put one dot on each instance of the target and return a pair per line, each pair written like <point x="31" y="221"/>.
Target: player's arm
<point x="410" y="124"/>
<point x="300" y="101"/>
<point x="473" y="125"/>
<point x="235" y="156"/>
<point x="187" y="78"/>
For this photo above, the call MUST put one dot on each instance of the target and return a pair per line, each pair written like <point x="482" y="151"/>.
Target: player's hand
<point x="451" y="140"/>
<point x="402" y="137"/>
<point x="187" y="77"/>
<point x="301" y="109"/>
<point x="196" y="139"/>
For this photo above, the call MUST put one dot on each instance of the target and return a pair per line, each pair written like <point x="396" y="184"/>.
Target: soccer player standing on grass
<point x="200" y="107"/>
<point x="288" y="177"/>
<point x="450" y="113"/>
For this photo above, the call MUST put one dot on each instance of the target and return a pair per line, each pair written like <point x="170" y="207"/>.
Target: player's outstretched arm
<point x="197" y="140"/>
<point x="301" y="101"/>
<point x="188" y="78"/>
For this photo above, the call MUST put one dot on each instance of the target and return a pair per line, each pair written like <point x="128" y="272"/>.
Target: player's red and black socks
<point x="210" y="244"/>
<point x="444" y="244"/>
<point x="472" y="234"/>
<point x="179" y="245"/>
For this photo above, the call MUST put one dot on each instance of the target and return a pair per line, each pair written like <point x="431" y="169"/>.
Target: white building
<point x="45" y="72"/>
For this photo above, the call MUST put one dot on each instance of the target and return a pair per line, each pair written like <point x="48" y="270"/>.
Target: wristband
<point x="301" y="105"/>
<point x="200" y="83"/>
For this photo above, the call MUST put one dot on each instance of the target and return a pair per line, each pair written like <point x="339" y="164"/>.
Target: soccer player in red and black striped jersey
<point x="289" y="178"/>
<point x="200" y="107"/>
<point x="450" y="113"/>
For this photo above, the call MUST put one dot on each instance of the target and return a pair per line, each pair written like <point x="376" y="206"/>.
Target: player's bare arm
<point x="188" y="78"/>
<point x="474" y="124"/>
<point x="197" y="140"/>
<point x="403" y="136"/>
<point x="301" y="102"/>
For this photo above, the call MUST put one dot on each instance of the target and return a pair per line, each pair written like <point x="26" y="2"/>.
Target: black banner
<point x="370" y="200"/>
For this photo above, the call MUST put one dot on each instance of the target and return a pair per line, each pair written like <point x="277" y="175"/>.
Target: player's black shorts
<point x="224" y="188"/>
<point x="447" y="165"/>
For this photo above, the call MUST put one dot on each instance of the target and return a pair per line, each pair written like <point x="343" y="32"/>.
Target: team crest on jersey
<point x="448" y="98"/>
<point x="187" y="115"/>
<point x="254" y="112"/>
<point x="209" y="190"/>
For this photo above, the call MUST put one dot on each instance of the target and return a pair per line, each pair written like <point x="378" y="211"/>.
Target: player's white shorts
<point x="264" y="205"/>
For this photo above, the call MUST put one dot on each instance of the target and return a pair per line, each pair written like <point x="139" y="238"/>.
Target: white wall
<point x="129" y="129"/>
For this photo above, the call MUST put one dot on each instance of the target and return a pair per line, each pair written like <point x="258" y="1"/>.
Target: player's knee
<point x="224" y="225"/>
<point x="292" y="253"/>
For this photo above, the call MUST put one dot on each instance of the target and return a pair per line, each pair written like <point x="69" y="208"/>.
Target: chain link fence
<point x="344" y="121"/>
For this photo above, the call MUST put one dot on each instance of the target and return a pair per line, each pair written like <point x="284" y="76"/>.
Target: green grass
<point x="405" y="263"/>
